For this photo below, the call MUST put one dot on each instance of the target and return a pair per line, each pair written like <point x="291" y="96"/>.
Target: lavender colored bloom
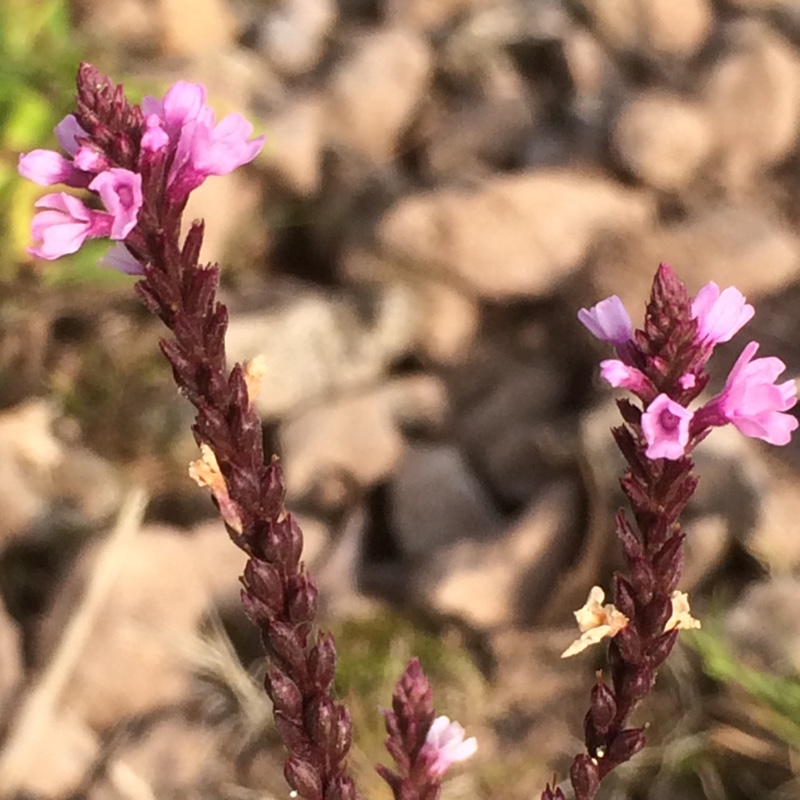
<point x="223" y="148"/>
<point x="155" y="138"/>
<point x="89" y="160"/>
<point x="720" y="315"/>
<point x="67" y="131"/>
<point x="618" y="374"/>
<point x="46" y="167"/>
<point x="64" y="224"/>
<point x="608" y="321"/>
<point x="121" y="192"/>
<point x="122" y="260"/>
<point x="665" y="425"/>
<point x="445" y="740"/>
<point x="202" y="148"/>
<point x="752" y="402"/>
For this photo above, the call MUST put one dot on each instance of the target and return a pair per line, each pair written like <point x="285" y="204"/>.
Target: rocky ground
<point x="445" y="183"/>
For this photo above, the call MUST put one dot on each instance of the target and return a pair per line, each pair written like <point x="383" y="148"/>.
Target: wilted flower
<point x="596" y="622"/>
<point x="681" y="616"/>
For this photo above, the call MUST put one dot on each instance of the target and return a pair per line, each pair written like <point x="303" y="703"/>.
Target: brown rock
<point x="374" y="92"/>
<point x="293" y="35"/>
<point x="669" y="27"/>
<point x="316" y="345"/>
<point x="135" y="659"/>
<point x="448" y="319"/>
<point x="356" y="436"/>
<point x="29" y="454"/>
<point x="10" y="658"/>
<point x="662" y="140"/>
<point x="753" y="99"/>
<point x="514" y="236"/>
<point x="732" y="245"/>
<point x="428" y="15"/>
<point x="435" y="500"/>
<point x="506" y="581"/>
<point x="193" y="27"/>
<point x="293" y="151"/>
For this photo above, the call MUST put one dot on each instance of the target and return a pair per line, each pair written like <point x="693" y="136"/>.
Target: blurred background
<point x="444" y="184"/>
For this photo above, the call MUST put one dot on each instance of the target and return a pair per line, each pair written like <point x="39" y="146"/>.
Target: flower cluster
<point x="423" y="746"/>
<point x="141" y="163"/>
<point x="750" y="400"/>
<point x="178" y="134"/>
<point x="663" y="366"/>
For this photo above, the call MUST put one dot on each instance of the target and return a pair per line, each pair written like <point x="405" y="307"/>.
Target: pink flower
<point x="122" y="260"/>
<point x="67" y="132"/>
<point x="618" y="374"/>
<point x="608" y="321"/>
<point x="445" y="743"/>
<point x="202" y="148"/>
<point x="720" y="316"/>
<point x="752" y="402"/>
<point x="665" y="425"/>
<point x="47" y="167"/>
<point x="64" y="225"/>
<point x="121" y="192"/>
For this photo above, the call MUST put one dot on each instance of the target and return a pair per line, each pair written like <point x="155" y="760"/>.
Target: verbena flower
<point x="64" y="224"/>
<point x="180" y="128"/>
<point x="753" y="402"/>
<point x="609" y="321"/>
<point x="720" y="315"/>
<point x="665" y="425"/>
<point x="445" y="744"/>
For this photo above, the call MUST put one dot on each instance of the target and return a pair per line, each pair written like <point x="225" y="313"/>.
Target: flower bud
<point x="320" y="715"/>
<point x="322" y="662"/>
<point x="626" y="745"/>
<point x="284" y="693"/>
<point x="303" y="596"/>
<point x="603" y="707"/>
<point x="303" y="778"/>
<point x="585" y="777"/>
<point x="264" y="582"/>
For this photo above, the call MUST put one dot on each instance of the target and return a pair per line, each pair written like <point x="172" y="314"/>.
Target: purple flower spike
<point x="64" y="224"/>
<point x="121" y="192"/>
<point x="665" y="425"/>
<point x="720" y="315"/>
<point x="753" y="403"/>
<point x="608" y="321"/>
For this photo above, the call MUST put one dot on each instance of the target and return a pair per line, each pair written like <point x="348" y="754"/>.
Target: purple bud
<point x="341" y="788"/>
<point x="624" y="596"/>
<point x="639" y="684"/>
<point x="603" y="707"/>
<point x="272" y="491"/>
<point x="319" y="715"/>
<point x="256" y="611"/>
<point x="654" y="617"/>
<point x="322" y="662"/>
<point x="668" y="564"/>
<point x="585" y="777"/>
<point x="663" y="645"/>
<point x="629" y="644"/>
<point x="643" y="580"/>
<point x="303" y="778"/>
<point x="264" y="582"/>
<point x="303" y="597"/>
<point x="342" y="734"/>
<point x="630" y="541"/>
<point x="293" y="735"/>
<point x="626" y="745"/>
<point x="284" y="693"/>
<point x="281" y="639"/>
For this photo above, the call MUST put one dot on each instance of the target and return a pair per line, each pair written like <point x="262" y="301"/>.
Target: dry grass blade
<point x="36" y="711"/>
